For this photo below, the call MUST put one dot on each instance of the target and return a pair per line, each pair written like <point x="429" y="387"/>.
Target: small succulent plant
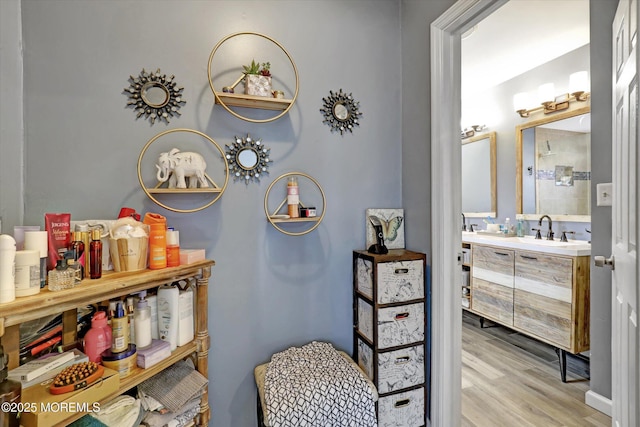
<point x="257" y="68"/>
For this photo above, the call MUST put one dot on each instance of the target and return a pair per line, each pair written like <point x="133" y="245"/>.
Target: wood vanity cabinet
<point x="551" y="299"/>
<point x="389" y="343"/>
<point x="543" y="295"/>
<point x="492" y="283"/>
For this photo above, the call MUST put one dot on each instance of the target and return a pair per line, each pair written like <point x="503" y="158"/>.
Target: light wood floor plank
<point x="511" y="380"/>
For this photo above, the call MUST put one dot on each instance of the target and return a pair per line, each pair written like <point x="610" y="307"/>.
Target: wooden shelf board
<point x="89" y="291"/>
<point x="249" y="101"/>
<point x="183" y="190"/>
<point x="312" y="219"/>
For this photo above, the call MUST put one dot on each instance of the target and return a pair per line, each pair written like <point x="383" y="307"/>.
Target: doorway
<point x="445" y="167"/>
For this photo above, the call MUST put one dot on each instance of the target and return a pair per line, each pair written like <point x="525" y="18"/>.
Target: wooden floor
<point x="510" y="380"/>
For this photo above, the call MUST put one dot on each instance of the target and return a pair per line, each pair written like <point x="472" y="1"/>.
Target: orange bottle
<point x="157" y="246"/>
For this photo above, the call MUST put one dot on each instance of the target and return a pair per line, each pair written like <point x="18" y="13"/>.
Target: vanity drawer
<point x="546" y="318"/>
<point x="395" y="326"/>
<point x="404" y="409"/>
<point x="492" y="300"/>
<point x="493" y="264"/>
<point x="544" y="275"/>
<point x="400" y="281"/>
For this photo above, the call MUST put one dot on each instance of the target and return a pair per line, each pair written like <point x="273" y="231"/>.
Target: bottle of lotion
<point x="142" y="321"/>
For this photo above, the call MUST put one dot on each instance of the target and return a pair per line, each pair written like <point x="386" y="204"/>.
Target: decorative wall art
<point x="341" y="112"/>
<point x="392" y="221"/>
<point x="248" y="158"/>
<point x="155" y="96"/>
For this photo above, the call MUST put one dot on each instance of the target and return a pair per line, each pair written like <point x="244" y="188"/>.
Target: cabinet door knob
<point x="601" y="261"/>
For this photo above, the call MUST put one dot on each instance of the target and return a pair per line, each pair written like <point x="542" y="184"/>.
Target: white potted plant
<point x="258" y="79"/>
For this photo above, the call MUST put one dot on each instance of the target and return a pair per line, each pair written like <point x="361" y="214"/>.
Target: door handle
<point x="601" y="261"/>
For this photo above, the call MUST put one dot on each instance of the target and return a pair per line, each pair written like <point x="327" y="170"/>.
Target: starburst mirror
<point x="155" y="96"/>
<point x="341" y="111"/>
<point x="248" y="158"/>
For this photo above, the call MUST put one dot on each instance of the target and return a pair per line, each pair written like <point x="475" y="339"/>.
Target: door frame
<point x="446" y="329"/>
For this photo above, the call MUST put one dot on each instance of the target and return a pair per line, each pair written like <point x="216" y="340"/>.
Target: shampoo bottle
<point x="119" y="327"/>
<point x="95" y="254"/>
<point x="98" y="338"/>
<point x="173" y="248"/>
<point x="168" y="301"/>
<point x="157" y="246"/>
<point x="142" y="321"/>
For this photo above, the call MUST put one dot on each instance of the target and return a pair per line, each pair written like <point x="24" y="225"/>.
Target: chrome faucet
<point x="464" y="223"/>
<point x="550" y="230"/>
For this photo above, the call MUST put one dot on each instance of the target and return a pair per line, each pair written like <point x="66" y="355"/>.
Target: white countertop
<point x="571" y="248"/>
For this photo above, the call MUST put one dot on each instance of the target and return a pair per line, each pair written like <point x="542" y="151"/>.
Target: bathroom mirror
<point x="479" y="185"/>
<point x="553" y="169"/>
<point x="248" y="159"/>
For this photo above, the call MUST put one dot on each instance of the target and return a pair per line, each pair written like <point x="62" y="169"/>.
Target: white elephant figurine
<point x="176" y="166"/>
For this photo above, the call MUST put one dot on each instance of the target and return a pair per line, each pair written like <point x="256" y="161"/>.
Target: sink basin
<point x="543" y="242"/>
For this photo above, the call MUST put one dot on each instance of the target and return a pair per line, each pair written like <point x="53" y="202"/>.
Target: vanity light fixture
<point x="551" y="103"/>
<point x="470" y="131"/>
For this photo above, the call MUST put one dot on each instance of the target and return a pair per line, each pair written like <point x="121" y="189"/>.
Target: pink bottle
<point x="98" y="338"/>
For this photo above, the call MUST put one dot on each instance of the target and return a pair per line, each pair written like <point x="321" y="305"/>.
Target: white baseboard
<point x="598" y="402"/>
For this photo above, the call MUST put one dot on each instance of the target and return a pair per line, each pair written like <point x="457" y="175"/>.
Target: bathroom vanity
<point x="537" y="287"/>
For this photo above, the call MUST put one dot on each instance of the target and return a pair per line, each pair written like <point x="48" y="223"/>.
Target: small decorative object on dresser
<point x="392" y="223"/>
<point x="389" y="332"/>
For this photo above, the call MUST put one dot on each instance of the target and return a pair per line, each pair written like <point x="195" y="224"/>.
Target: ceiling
<point x="519" y="36"/>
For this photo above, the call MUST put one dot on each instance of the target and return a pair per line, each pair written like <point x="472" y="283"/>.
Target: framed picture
<point x="392" y="221"/>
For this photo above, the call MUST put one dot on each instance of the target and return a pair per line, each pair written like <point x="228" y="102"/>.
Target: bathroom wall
<point x="494" y="108"/>
<point x="268" y="291"/>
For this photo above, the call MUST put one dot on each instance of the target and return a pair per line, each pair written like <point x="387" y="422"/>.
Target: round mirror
<point x="247" y="158"/>
<point x="340" y="111"/>
<point x="155" y="94"/>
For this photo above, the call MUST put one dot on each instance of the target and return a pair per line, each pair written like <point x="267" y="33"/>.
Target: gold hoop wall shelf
<point x="314" y="221"/>
<point x="215" y="189"/>
<point x="249" y="101"/>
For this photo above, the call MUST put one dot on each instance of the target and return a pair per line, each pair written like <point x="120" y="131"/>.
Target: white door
<point x="624" y="260"/>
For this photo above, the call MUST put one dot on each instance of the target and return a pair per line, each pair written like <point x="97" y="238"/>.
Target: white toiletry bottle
<point x="168" y="312"/>
<point x="142" y="322"/>
<point x="185" y="322"/>
<point x="7" y="268"/>
<point x="507" y="226"/>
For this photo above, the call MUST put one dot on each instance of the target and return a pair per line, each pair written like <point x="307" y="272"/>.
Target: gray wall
<point x="268" y="290"/>
<point x="601" y="13"/>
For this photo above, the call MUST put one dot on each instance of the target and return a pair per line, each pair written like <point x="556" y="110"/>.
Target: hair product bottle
<point x="119" y="333"/>
<point x="98" y="338"/>
<point x="95" y="254"/>
<point x="168" y="312"/>
<point x="293" y="197"/>
<point x="77" y="248"/>
<point x="157" y="246"/>
<point x="173" y="248"/>
<point x="27" y="273"/>
<point x="37" y="241"/>
<point x="85" y="236"/>
<point x="7" y="268"/>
